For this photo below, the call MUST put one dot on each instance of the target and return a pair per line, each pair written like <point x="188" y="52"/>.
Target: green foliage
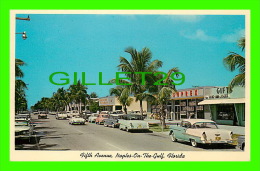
<point x="234" y="62"/>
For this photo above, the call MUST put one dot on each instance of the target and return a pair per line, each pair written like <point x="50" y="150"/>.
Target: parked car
<point x="92" y="118"/>
<point x="132" y="122"/>
<point x="112" y="120"/>
<point x="77" y="120"/>
<point x="22" y="117"/>
<point x="104" y="112"/>
<point x="200" y="131"/>
<point x="73" y="113"/>
<point x="61" y="115"/>
<point x="86" y="115"/>
<point x="43" y="115"/>
<point x="100" y="118"/>
<point x="26" y="135"/>
<point x="241" y="142"/>
<point x="117" y="112"/>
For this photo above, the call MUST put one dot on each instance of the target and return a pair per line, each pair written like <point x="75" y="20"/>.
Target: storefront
<point x="111" y="103"/>
<point x="226" y="108"/>
<point x="184" y="104"/>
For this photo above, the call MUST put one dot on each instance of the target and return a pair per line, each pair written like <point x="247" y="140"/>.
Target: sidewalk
<point x="235" y="129"/>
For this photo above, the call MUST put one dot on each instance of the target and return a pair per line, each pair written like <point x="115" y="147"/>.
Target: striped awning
<point x="222" y="101"/>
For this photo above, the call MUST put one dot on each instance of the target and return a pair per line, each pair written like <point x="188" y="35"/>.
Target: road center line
<point x="115" y="146"/>
<point x="80" y="131"/>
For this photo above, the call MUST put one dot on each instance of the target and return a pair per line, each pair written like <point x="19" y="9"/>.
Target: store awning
<point x="222" y="101"/>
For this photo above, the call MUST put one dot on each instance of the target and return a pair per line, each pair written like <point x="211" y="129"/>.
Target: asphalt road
<point x="60" y="135"/>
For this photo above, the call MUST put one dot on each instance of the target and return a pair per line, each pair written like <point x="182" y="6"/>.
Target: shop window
<point x="225" y="112"/>
<point x="118" y="107"/>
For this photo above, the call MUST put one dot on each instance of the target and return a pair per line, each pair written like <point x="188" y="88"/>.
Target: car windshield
<point x="204" y="125"/>
<point x="105" y="116"/>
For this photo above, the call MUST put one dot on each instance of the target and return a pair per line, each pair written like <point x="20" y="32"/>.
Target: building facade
<point x="110" y="103"/>
<point x="209" y="102"/>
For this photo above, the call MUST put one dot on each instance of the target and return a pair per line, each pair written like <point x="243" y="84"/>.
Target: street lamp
<point x="19" y="18"/>
<point x="24" y="36"/>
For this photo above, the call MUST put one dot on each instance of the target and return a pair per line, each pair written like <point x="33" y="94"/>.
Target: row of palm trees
<point x="20" y="87"/>
<point x="141" y="61"/>
<point x="69" y="99"/>
<point x="160" y="95"/>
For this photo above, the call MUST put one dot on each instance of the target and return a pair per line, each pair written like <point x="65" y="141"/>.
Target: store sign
<point x="217" y="93"/>
<point x="106" y="101"/>
<point x="188" y="94"/>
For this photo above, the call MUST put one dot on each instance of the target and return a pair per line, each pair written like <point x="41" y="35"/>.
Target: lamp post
<point x="20" y="18"/>
<point x="24" y="36"/>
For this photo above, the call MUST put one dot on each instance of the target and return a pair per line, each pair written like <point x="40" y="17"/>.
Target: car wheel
<point x="174" y="139"/>
<point x="242" y="147"/>
<point x="193" y="143"/>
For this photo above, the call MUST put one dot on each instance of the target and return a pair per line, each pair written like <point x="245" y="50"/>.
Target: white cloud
<point x="199" y="35"/>
<point x="185" y="18"/>
<point x="233" y="37"/>
<point x="202" y="36"/>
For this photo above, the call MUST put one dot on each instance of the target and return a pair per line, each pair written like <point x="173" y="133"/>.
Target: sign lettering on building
<point x="188" y="94"/>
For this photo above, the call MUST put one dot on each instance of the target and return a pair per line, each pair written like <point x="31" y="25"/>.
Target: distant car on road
<point x="132" y="122"/>
<point x="73" y="113"/>
<point x="241" y="142"/>
<point x="61" y="115"/>
<point x="112" y="120"/>
<point x="43" y="115"/>
<point x="92" y="118"/>
<point x="200" y="131"/>
<point x="77" y="120"/>
<point x="100" y="118"/>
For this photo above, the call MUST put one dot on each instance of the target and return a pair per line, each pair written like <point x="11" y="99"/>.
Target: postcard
<point x="130" y="85"/>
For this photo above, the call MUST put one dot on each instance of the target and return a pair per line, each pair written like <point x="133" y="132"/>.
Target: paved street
<point x="59" y="135"/>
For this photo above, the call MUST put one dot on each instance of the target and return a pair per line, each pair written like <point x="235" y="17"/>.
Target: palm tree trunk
<point x="79" y="105"/>
<point x="163" y="117"/>
<point x="141" y="107"/>
<point x="125" y="109"/>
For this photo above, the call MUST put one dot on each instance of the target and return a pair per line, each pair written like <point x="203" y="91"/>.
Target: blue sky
<point x="196" y="44"/>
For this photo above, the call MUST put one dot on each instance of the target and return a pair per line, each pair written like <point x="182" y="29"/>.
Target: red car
<point x="101" y="117"/>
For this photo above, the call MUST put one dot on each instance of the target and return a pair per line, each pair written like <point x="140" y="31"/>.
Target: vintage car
<point x="26" y="135"/>
<point x="77" y="120"/>
<point x="200" y="131"/>
<point x="92" y="118"/>
<point x="73" y="113"/>
<point x="112" y="120"/>
<point x="61" y="115"/>
<point x="43" y="115"/>
<point x="132" y="122"/>
<point x="117" y="112"/>
<point x="241" y="142"/>
<point x="100" y="118"/>
<point x="22" y="117"/>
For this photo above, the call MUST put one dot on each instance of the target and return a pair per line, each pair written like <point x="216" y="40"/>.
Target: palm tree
<point x="18" y="72"/>
<point x="20" y="86"/>
<point x="164" y="93"/>
<point x="122" y="94"/>
<point x="78" y="94"/>
<point x="235" y="61"/>
<point x="140" y="62"/>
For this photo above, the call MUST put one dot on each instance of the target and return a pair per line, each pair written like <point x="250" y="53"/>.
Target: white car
<point x="200" y="131"/>
<point x="131" y="122"/>
<point x="61" y="115"/>
<point x="77" y="120"/>
<point x="92" y="118"/>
